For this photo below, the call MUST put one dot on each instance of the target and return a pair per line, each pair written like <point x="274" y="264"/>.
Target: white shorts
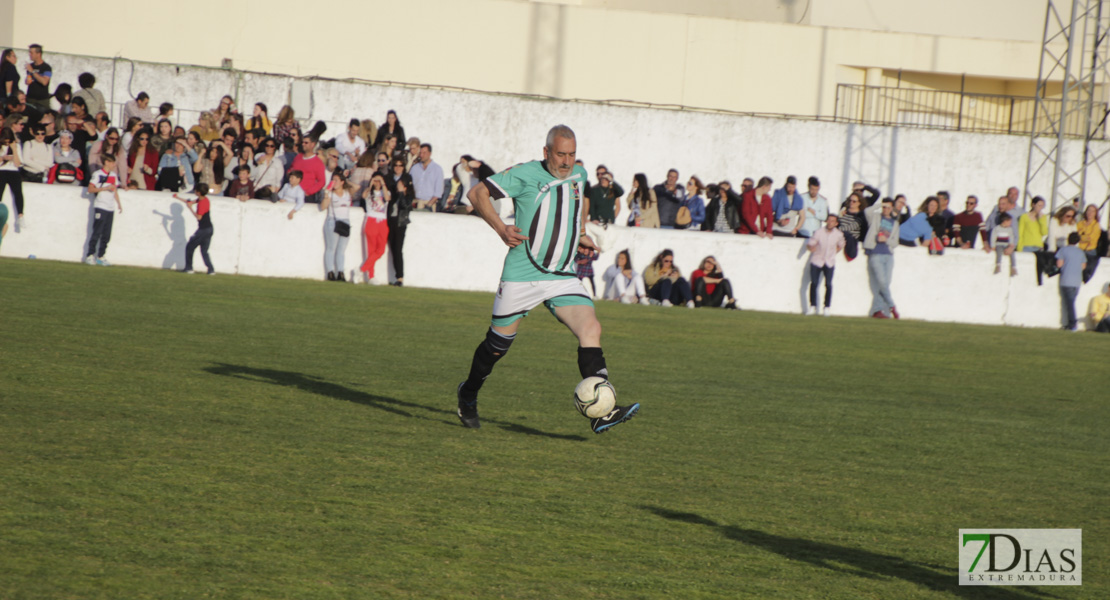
<point x="515" y="298"/>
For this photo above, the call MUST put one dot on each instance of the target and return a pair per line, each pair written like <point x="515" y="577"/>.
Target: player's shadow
<point x="852" y="561"/>
<point x="323" y="387"/>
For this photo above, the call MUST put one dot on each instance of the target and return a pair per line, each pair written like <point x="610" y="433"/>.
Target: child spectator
<point x="584" y="266"/>
<point x="242" y="188"/>
<point x="203" y="235"/>
<point x="292" y="192"/>
<point x="105" y="184"/>
<point x="1002" y="242"/>
<point x="1071" y="262"/>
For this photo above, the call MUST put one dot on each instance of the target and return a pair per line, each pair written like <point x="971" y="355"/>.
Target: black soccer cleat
<point x="468" y="410"/>
<point x="618" y="415"/>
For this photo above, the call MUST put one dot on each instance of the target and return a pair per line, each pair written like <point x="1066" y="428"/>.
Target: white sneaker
<point x="827" y="312"/>
<point x="811" y="311"/>
<point x="90" y="260"/>
<point x="626" y="300"/>
<point x="666" y="303"/>
<point x="689" y="304"/>
<point x="645" y="301"/>
<point x="21" y="222"/>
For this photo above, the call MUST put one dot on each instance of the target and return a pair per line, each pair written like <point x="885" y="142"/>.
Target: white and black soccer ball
<point x="595" y="397"/>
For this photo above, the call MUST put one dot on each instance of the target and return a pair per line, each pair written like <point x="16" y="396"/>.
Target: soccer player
<point x="552" y="208"/>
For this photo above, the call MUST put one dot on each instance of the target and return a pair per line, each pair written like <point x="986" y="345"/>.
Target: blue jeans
<point x="677" y="292"/>
<point x="880" y="269"/>
<point x="1067" y="305"/>
<point x="815" y="274"/>
<point x="202" y="238"/>
<point x="101" y="233"/>
<point x="335" y="247"/>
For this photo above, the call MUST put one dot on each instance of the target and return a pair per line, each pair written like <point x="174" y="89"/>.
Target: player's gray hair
<point x="559" y="131"/>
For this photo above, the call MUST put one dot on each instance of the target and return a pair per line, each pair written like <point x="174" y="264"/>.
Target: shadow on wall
<point x="846" y="560"/>
<point x="174" y="226"/>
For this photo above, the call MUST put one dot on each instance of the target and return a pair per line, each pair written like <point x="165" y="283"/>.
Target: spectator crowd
<point x="68" y="137"/>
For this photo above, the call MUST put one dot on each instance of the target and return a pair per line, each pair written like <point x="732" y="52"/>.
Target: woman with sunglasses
<point x="268" y="170"/>
<point x="853" y="224"/>
<point x="142" y="161"/>
<point x="665" y="283"/>
<point x="37" y="156"/>
<point x="337" y="227"/>
<point x="109" y="146"/>
<point x="376" y="197"/>
<point x="1059" y="226"/>
<point x="397" y="217"/>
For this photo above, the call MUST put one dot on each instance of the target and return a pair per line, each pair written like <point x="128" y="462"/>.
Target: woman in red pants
<point x="376" y="230"/>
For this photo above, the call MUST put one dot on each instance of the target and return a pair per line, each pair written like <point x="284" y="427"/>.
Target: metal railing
<point x="954" y="111"/>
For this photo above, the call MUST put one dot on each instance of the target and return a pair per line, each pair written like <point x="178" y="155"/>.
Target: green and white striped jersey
<point x="549" y="212"/>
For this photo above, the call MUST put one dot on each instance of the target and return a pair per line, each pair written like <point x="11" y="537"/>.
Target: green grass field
<point x="172" y="436"/>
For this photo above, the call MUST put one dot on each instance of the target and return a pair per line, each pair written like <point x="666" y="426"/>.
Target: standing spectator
<point x="139" y="107"/>
<point x="110" y="145"/>
<point x="398" y="219"/>
<point x="350" y="146"/>
<point x="584" y="266"/>
<point x="10" y="163"/>
<point x="37" y="155"/>
<point x="1003" y="241"/>
<point x="175" y="168"/>
<point x="965" y="226"/>
<point x="665" y="283"/>
<point x="722" y="214"/>
<point x="1071" y="261"/>
<point x="711" y="288"/>
<point x="427" y="180"/>
<point x="605" y="197"/>
<point x="103" y="121"/>
<point x="292" y="192"/>
<point x="815" y="209"/>
<point x="695" y="203"/>
<point x="1033" y="227"/>
<point x="919" y="228"/>
<point x="853" y="223"/>
<point x="1060" y="226"/>
<point x="337" y="227"/>
<point x="823" y="246"/>
<point x="285" y="125"/>
<point x="944" y="199"/>
<point x="392" y="126"/>
<point x="62" y="101"/>
<point x="388" y="145"/>
<point x="669" y="196"/>
<point x="882" y="239"/>
<point x="1099" y="311"/>
<point x="368" y="131"/>
<point x="867" y="194"/>
<point x="757" y="210"/>
<point x="1089" y="234"/>
<point x="203" y="235"/>
<point x="165" y="111"/>
<point x="313" y="168"/>
<point x="623" y="283"/>
<point x="105" y="185"/>
<point x="9" y="73"/>
<point x="787" y="205"/>
<point x="38" y="79"/>
<point x="142" y="161"/>
<point x="260" y="119"/>
<point x="643" y="207"/>
<point x="376" y="229"/>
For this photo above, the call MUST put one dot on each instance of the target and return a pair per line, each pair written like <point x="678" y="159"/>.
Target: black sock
<point x="591" y="363"/>
<point x="485" y="356"/>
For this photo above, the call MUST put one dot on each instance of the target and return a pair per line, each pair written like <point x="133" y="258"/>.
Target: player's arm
<point x="479" y="197"/>
<point x="584" y="239"/>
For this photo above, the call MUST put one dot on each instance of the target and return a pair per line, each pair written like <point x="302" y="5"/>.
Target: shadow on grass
<point x="853" y="561"/>
<point x="323" y="387"/>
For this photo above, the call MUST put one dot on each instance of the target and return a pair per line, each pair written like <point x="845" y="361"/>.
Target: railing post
<point x="1010" y="125"/>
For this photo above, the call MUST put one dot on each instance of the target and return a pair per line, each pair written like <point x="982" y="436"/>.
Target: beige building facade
<point x="761" y="56"/>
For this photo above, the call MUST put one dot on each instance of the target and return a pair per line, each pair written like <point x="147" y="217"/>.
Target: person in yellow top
<point x="1033" y="227"/>
<point x="1099" y="310"/>
<point x="1089" y="234"/>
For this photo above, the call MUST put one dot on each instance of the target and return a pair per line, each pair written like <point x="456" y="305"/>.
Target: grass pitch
<point x="172" y="436"/>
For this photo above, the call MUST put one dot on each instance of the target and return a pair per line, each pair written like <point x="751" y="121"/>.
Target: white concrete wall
<point x="462" y="253"/>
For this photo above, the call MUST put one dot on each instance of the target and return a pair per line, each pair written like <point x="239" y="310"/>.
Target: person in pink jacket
<point x="823" y="246"/>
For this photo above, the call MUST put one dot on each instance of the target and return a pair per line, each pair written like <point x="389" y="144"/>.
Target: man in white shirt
<point x="427" y="180"/>
<point x="350" y="146"/>
<point x="815" y="209"/>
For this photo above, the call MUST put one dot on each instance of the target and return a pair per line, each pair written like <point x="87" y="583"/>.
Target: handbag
<point x="343" y="228"/>
<point x="683" y="217"/>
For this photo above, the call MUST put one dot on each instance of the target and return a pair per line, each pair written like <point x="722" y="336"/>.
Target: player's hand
<point x="585" y="240"/>
<point x="511" y="235"/>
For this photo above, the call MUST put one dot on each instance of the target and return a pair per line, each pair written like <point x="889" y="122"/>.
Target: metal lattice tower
<point x="1075" y="56"/>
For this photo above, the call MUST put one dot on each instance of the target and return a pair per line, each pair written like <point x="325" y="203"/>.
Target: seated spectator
<point x="163" y="136"/>
<point x="815" y="209"/>
<point x="623" y="283"/>
<point x="209" y="169"/>
<point x="787" y="205"/>
<point x="102" y="124"/>
<point x="665" y="283"/>
<point x="966" y="225"/>
<point x="605" y="197"/>
<point x="37" y="157"/>
<point x="349" y="146"/>
<point x="453" y="192"/>
<point x="359" y="180"/>
<point x="206" y="127"/>
<point x="1090" y="232"/>
<point x="67" y="161"/>
<point x="392" y="126"/>
<point x="331" y="160"/>
<point x="1033" y="227"/>
<point x="757" y="212"/>
<point x="1002" y="240"/>
<point x="241" y="187"/>
<point x="109" y="146"/>
<point x="285" y="125"/>
<point x="412" y="156"/>
<point x="694" y="202"/>
<point x="243" y="158"/>
<point x="711" y="288"/>
<point x="853" y="224"/>
<point x="268" y="171"/>
<point x="945" y="199"/>
<point x="134" y="124"/>
<point x="223" y="113"/>
<point x="175" y="168"/>
<point x="722" y="214"/>
<point x="643" y="209"/>
<point x="165" y="111"/>
<point x="823" y="246"/>
<point x="260" y="119"/>
<point x="368" y="131"/>
<point x="918" y="228"/>
<point x="388" y="145"/>
<point x="238" y="131"/>
<point x="584" y="266"/>
<point x="1059" y="226"/>
<point x="61" y="99"/>
<point x="292" y="192"/>
<point x="1099" y="311"/>
<point x="427" y="180"/>
<point x="140" y="108"/>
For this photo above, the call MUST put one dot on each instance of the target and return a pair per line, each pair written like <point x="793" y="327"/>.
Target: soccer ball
<point x="595" y="397"/>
